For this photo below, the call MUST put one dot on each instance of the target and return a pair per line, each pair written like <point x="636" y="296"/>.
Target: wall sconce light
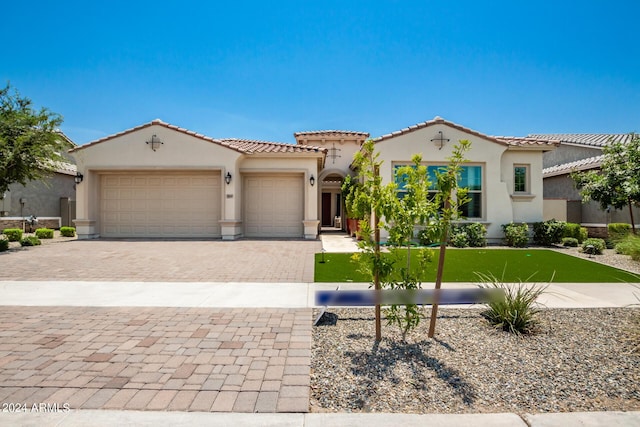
<point x="440" y="140"/>
<point x="227" y="178"/>
<point x="155" y="142"/>
<point x="312" y="180"/>
<point x="78" y="178"/>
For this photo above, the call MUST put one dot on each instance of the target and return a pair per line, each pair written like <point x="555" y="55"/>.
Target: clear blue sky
<point x="266" y="69"/>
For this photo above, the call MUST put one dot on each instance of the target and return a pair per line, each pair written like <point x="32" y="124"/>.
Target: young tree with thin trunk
<point x="423" y="203"/>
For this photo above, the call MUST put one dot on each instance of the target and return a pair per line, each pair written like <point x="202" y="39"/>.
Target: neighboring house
<point x="51" y="200"/>
<point x="159" y="180"/>
<point x="577" y="152"/>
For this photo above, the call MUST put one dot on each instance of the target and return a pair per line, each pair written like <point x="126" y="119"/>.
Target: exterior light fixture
<point x="78" y="178"/>
<point x="155" y="142"/>
<point x="439" y="140"/>
<point x="227" y="178"/>
<point x="312" y="181"/>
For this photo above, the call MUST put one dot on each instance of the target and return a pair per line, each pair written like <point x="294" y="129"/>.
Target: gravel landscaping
<point x="578" y="360"/>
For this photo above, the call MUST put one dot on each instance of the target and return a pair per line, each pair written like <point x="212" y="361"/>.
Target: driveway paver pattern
<point x="176" y="359"/>
<point x="289" y="261"/>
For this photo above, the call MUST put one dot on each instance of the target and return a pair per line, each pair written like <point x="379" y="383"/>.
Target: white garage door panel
<point x="161" y="205"/>
<point x="274" y="206"/>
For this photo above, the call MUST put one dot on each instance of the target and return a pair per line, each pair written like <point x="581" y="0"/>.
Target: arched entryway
<point x="331" y="205"/>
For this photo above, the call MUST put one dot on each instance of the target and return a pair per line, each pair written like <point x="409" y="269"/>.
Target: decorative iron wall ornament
<point x="439" y="140"/>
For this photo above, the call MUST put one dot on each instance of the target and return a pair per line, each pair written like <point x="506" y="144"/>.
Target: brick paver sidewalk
<point x="183" y="359"/>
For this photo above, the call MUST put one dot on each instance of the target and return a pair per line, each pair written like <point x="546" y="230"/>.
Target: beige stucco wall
<point x="305" y="164"/>
<point x="527" y="207"/>
<point x="555" y="209"/>
<point x="183" y="152"/>
<point x="129" y="152"/>
<point x="496" y="204"/>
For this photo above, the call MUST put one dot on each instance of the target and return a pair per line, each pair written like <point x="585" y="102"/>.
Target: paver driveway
<point x="164" y="261"/>
<point x="221" y="360"/>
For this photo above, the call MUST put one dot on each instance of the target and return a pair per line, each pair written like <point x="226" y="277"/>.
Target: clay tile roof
<point x="332" y="133"/>
<point x="577" y="165"/>
<point x="436" y="120"/>
<point x="250" y="146"/>
<point x="590" y="139"/>
<point x="517" y="141"/>
<point x="244" y="146"/>
<point x="509" y="141"/>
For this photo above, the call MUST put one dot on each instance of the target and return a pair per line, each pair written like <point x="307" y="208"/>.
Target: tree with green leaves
<point x="423" y="203"/>
<point x="617" y="183"/>
<point x="30" y="146"/>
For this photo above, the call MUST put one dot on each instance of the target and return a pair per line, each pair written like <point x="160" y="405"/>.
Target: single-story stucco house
<point x="160" y="180"/>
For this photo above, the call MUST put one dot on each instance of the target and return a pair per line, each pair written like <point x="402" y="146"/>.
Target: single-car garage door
<point x="160" y="205"/>
<point x="273" y="205"/>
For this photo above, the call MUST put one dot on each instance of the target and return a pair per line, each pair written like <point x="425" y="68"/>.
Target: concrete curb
<point x="105" y="418"/>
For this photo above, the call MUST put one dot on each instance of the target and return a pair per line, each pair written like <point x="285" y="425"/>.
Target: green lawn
<point x="461" y="265"/>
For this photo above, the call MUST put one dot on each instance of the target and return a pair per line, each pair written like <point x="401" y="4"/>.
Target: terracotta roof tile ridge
<point x="257" y="146"/>
<point x="434" y="121"/>
<point x="332" y="131"/>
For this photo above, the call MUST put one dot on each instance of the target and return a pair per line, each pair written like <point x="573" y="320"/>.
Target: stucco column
<point x="86" y="199"/>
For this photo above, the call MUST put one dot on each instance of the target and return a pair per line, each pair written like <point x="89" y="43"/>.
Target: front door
<point x="326" y="210"/>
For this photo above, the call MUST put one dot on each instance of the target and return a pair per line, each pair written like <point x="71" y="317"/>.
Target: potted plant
<point x="350" y="187"/>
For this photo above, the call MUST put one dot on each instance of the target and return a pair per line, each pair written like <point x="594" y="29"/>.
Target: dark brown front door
<point x="326" y="209"/>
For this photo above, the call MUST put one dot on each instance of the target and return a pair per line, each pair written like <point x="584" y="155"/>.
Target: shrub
<point x="459" y="239"/>
<point x="13" y="234"/>
<point x="477" y="234"/>
<point x="548" y="232"/>
<point x="44" y="233"/>
<point x="571" y="229"/>
<point x="630" y="245"/>
<point x="570" y="242"/>
<point x="4" y="244"/>
<point x="517" y="311"/>
<point x="30" y="241"/>
<point x="618" y="231"/>
<point x="516" y="235"/>
<point x="430" y="235"/>
<point x="469" y="234"/>
<point x="598" y="246"/>
<point x="67" y="231"/>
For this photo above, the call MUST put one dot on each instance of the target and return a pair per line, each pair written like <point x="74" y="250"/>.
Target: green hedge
<point x="598" y="246"/>
<point x="571" y="229"/>
<point x="570" y="242"/>
<point x="516" y="235"/>
<point x="13" y="234"/>
<point x="30" y="241"/>
<point x="67" y="231"/>
<point x="44" y="233"/>
<point x="549" y="232"/>
<point x="472" y="234"/>
<point x="4" y="244"/>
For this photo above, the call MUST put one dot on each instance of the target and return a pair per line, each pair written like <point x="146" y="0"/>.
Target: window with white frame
<point x="470" y="178"/>
<point x="521" y="179"/>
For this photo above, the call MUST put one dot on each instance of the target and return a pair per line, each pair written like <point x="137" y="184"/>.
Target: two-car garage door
<point x="187" y="205"/>
<point x="171" y="205"/>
